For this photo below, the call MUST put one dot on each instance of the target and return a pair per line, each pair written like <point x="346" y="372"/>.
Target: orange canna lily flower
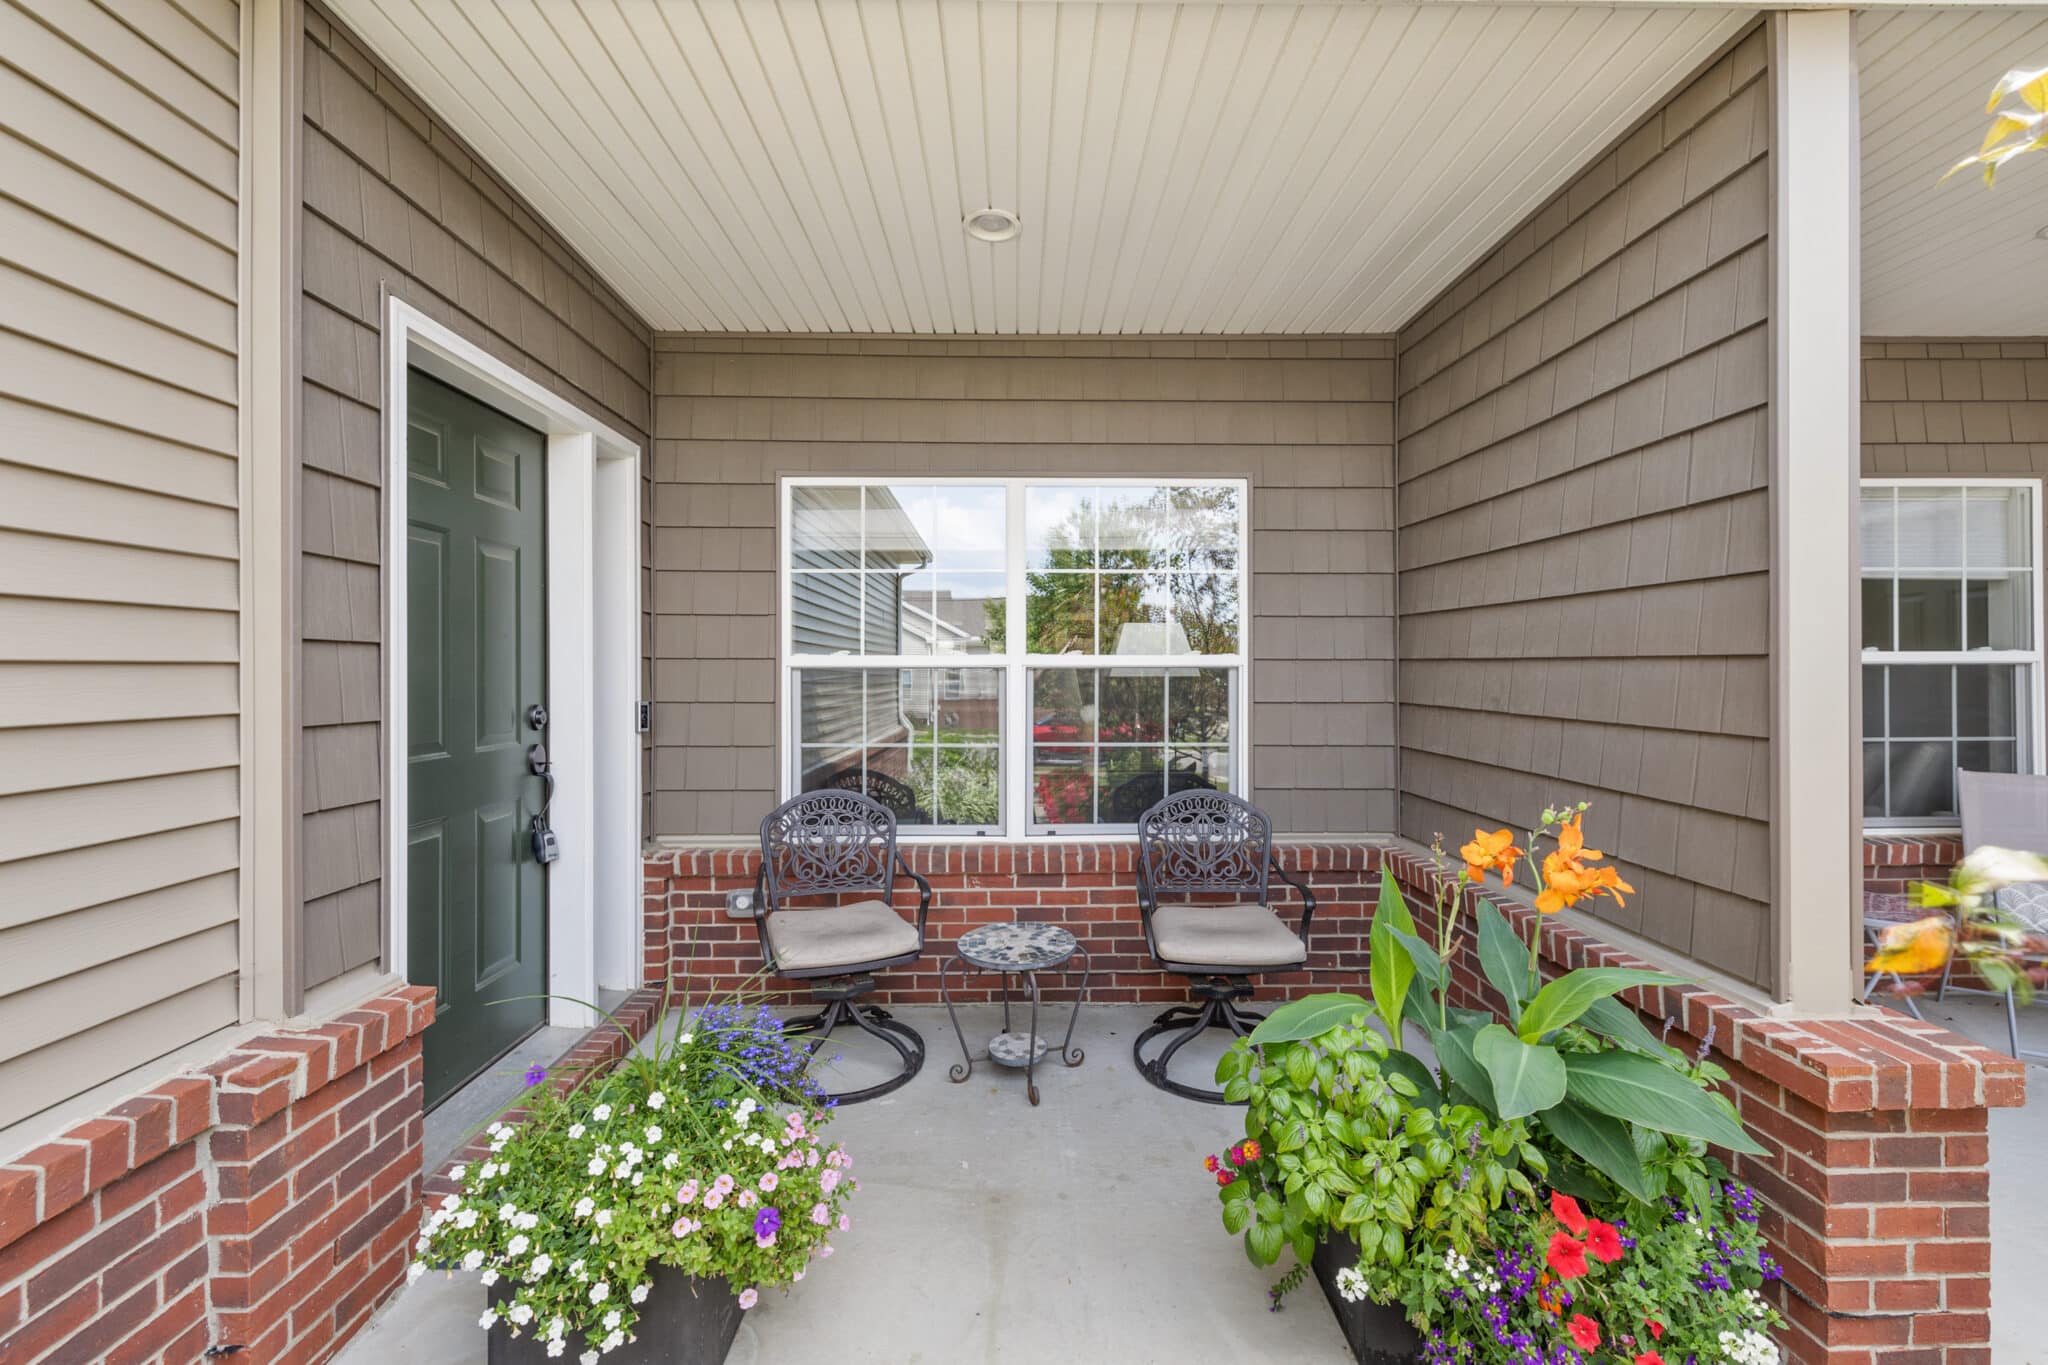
<point x="1911" y="949"/>
<point x="1495" y="852"/>
<point x="1567" y="880"/>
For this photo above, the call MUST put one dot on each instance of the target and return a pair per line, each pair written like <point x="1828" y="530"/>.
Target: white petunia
<point x="455" y="1173"/>
<point x="604" y="1218"/>
<point x="611" y="1320"/>
<point x="600" y="1291"/>
<point x="542" y="1264"/>
<point x="518" y="1245"/>
<point x="414" y="1271"/>
<point x="490" y="1316"/>
<point x="490" y="1277"/>
<point x="466" y="1219"/>
<point x="474" y="1260"/>
<point x="602" y="1113"/>
<point x="506" y="1212"/>
<point x="596" y="1166"/>
<point x="653" y="1132"/>
<point x="612" y="1342"/>
<point x="639" y="1294"/>
<point x="449" y="1201"/>
<point x="521" y="1314"/>
<point x="555" y="1347"/>
<point x="575" y="1131"/>
<point x="656" y="1100"/>
<point x="587" y="1358"/>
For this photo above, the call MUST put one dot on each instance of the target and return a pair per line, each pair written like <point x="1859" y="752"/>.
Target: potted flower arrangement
<point x="1545" y="1193"/>
<point x="637" y="1217"/>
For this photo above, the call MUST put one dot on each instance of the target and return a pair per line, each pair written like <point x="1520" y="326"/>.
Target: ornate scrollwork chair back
<point x="839" y="844"/>
<point x="1218" y="847"/>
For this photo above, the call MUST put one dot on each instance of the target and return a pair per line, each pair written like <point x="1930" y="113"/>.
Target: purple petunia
<point x="767" y="1222"/>
<point x="536" y="1073"/>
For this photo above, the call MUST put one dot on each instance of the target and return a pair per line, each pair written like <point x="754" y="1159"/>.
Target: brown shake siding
<point x="395" y="205"/>
<point x="1584" y="524"/>
<point x="1308" y="421"/>
<point x="1965" y="409"/>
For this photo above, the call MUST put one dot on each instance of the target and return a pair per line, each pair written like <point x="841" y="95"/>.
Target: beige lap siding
<point x="395" y="205"/>
<point x="118" y="539"/>
<point x="1308" y="421"/>
<point x="1584" y="524"/>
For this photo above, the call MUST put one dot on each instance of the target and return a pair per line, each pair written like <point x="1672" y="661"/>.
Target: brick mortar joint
<point x="289" y="1044"/>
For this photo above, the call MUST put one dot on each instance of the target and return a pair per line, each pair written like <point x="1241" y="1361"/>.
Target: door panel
<point x="477" y="654"/>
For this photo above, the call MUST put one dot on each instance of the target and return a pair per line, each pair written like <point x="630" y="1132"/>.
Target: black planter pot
<point x="685" y="1321"/>
<point x="1378" y="1334"/>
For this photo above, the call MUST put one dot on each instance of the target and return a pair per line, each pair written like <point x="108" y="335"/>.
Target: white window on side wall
<point x="1125" y="682"/>
<point x="1951" y="640"/>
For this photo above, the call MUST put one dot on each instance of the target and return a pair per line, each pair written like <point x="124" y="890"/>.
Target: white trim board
<point x="593" y="662"/>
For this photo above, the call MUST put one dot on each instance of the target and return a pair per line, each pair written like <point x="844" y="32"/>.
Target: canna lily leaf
<point x="1527" y="1077"/>
<point x="1390" y="972"/>
<point x="1461" y="1068"/>
<point x="1309" y="1016"/>
<point x="1503" y="957"/>
<point x="1605" y="1145"/>
<point x="1562" y="1001"/>
<point x="1651" y="1095"/>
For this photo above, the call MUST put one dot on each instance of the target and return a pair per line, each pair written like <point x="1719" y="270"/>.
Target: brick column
<point x="1876" y="1192"/>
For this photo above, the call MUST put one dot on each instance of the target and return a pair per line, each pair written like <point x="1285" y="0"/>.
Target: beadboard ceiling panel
<point x="804" y="165"/>
<point x="1950" y="259"/>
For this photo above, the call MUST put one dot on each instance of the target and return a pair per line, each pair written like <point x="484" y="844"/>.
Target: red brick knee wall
<point x="265" y="1204"/>
<point x="1090" y="888"/>
<point x="1893" y="862"/>
<point x="1877" y="1186"/>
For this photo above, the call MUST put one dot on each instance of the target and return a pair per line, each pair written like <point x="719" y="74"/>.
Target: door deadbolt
<point x="537" y="716"/>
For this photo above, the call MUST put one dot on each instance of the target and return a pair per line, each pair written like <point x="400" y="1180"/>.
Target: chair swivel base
<point x="1219" y="996"/>
<point x="842" y="1007"/>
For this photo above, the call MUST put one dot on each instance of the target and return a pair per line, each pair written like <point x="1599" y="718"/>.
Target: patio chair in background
<point x="1212" y="845"/>
<point x="2007" y="810"/>
<point x="836" y="843"/>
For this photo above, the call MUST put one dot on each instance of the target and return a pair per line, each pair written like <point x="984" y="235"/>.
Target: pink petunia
<point x="749" y="1297"/>
<point x="811" y="1157"/>
<point x="824" y="1251"/>
<point x="769" y="1181"/>
<point x="845" y="1223"/>
<point x="820" y="1214"/>
<point x="829" y="1181"/>
<point x="745" y="1199"/>
<point x="687" y="1192"/>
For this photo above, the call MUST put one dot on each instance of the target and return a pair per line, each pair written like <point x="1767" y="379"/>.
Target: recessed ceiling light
<point x="992" y="225"/>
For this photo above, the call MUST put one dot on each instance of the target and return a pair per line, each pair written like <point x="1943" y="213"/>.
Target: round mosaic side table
<point x="1019" y="950"/>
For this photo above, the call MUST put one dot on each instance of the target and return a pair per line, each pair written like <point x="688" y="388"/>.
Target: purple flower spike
<point x="535" y="1074"/>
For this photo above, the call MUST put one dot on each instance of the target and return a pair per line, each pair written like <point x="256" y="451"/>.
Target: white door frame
<point x="593" y="662"/>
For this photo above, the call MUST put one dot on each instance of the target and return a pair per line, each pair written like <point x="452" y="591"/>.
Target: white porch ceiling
<point x="804" y="165"/>
<point x="1948" y="259"/>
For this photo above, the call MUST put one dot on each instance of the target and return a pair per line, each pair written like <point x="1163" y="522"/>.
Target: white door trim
<point x="593" y="662"/>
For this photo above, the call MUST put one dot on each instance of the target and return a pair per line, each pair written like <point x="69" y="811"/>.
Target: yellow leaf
<point x="2002" y="127"/>
<point x="1912" y="949"/>
<point x="2030" y="86"/>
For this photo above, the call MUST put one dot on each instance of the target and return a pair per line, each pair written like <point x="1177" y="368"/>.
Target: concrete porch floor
<point x="1085" y="1230"/>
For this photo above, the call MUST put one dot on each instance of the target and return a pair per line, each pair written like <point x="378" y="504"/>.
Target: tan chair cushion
<point x="839" y="935"/>
<point x="1225" y="936"/>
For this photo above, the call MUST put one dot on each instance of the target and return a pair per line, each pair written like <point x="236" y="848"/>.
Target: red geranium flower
<point x="1568" y="1212"/>
<point x="1656" y="1329"/>
<point x="1649" y="1358"/>
<point x="1567" y="1256"/>
<point x="1604" y="1242"/>
<point x="1585" y="1332"/>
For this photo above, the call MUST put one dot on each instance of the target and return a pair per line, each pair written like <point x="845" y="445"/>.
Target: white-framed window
<point x="907" y="680"/>
<point x="1951" y="640"/>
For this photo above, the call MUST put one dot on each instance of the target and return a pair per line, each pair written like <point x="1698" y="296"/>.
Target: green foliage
<point x="1306" y="1017"/>
<point x="670" y="1159"/>
<point x="1566" y="999"/>
<point x="1347" y="1134"/>
<point x="1501" y="956"/>
<point x="1526" y="1077"/>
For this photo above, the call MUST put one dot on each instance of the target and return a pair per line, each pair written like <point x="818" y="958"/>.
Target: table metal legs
<point x="1068" y="1053"/>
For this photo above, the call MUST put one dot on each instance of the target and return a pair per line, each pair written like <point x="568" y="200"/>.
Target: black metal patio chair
<point x="839" y="843"/>
<point x="1213" y="845"/>
<point x="896" y="795"/>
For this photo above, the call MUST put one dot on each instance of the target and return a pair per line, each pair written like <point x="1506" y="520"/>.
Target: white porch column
<point x="273" y="42"/>
<point x="1816" y="712"/>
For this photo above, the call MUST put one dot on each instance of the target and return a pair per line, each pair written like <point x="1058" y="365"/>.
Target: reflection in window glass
<point x="925" y="742"/>
<point x="1109" y="743"/>
<point x="922" y="572"/>
<point x="1952" y="660"/>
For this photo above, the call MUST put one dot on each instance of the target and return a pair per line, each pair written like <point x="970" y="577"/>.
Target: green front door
<point x="476" y="632"/>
